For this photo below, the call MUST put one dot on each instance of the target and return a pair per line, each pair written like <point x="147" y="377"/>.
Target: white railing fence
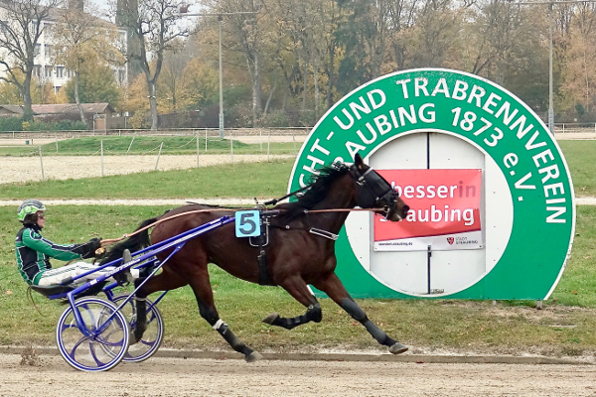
<point x="59" y="154"/>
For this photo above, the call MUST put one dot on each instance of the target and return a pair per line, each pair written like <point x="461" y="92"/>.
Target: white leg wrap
<point x="218" y="324"/>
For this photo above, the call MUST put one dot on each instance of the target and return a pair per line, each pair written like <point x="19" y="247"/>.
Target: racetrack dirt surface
<point x="50" y="376"/>
<point x="22" y="169"/>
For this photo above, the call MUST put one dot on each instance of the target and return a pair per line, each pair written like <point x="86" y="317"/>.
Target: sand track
<point x="52" y="377"/>
<point x="22" y="169"/>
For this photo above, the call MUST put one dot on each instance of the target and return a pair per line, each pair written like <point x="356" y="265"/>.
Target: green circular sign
<point x="525" y="180"/>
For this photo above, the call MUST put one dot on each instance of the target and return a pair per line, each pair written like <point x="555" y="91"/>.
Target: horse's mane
<point x="318" y="190"/>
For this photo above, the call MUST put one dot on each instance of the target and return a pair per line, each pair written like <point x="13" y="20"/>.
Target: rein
<point x="107" y="242"/>
<point x="270" y="202"/>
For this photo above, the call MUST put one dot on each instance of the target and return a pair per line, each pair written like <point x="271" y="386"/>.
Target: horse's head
<point x="373" y="191"/>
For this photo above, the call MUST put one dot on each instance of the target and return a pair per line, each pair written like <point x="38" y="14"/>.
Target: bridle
<point x="371" y="189"/>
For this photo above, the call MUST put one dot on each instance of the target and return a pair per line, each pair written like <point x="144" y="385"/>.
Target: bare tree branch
<point x="19" y="35"/>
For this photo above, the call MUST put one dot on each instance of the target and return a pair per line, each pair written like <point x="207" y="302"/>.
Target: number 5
<point x="246" y="220"/>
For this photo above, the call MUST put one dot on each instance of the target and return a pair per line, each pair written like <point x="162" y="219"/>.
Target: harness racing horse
<point x="300" y="251"/>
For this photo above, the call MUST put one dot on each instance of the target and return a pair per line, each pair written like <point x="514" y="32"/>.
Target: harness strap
<point x="323" y="233"/>
<point x="264" y="277"/>
<point x="275" y="201"/>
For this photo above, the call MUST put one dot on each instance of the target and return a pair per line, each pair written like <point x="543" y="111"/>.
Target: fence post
<point x="43" y="177"/>
<point x="198" y="145"/>
<point x="268" y="143"/>
<point x="57" y="150"/>
<point x="129" y="146"/>
<point x="260" y="140"/>
<point x="232" y="144"/>
<point x="101" y="149"/>
<point x="158" y="156"/>
<point x="206" y="139"/>
<point x="294" y="141"/>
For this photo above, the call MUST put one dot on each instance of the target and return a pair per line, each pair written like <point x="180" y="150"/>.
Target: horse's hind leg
<point x="333" y="287"/>
<point x="299" y="290"/>
<point x="164" y="281"/>
<point x="201" y="286"/>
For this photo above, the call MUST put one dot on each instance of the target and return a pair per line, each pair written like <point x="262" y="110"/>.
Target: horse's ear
<point x="358" y="161"/>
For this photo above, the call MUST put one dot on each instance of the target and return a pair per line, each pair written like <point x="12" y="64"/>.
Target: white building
<point x="45" y="69"/>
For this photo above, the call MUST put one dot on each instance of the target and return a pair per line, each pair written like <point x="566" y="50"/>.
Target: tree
<point x="171" y="88"/>
<point x="46" y="93"/>
<point x="81" y="39"/>
<point x="40" y="92"/>
<point x="19" y="35"/>
<point x="201" y="84"/>
<point x="579" y="81"/>
<point x="245" y="26"/>
<point x="400" y="18"/>
<point x="10" y="94"/>
<point x="95" y="83"/>
<point x="436" y="33"/>
<point x="135" y="101"/>
<point x="156" y="29"/>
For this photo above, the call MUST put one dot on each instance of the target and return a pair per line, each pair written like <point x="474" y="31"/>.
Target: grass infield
<point x="120" y="145"/>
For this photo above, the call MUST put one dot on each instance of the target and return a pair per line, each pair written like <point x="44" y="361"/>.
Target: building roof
<point x="61" y="108"/>
<point x="65" y="108"/>
<point x="17" y="109"/>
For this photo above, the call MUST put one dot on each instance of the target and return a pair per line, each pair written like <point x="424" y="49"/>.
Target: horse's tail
<point x="134" y="243"/>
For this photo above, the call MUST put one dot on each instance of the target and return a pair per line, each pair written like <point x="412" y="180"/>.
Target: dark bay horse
<point x="300" y="251"/>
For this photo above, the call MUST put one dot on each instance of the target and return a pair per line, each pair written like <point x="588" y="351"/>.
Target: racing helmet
<point x="29" y="207"/>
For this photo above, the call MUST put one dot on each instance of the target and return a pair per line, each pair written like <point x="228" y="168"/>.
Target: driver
<point x="34" y="251"/>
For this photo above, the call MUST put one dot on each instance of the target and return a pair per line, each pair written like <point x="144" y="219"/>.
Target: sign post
<point x="431" y="129"/>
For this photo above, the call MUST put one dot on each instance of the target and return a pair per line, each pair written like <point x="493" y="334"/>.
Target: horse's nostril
<point x="405" y="209"/>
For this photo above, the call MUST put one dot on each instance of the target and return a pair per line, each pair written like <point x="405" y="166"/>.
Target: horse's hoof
<point x="398" y="348"/>
<point x="270" y="319"/>
<point x="252" y="357"/>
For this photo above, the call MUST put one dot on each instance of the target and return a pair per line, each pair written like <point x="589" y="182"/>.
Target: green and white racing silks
<point x="33" y="253"/>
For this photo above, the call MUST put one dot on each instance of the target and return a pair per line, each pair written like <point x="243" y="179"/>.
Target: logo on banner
<point x="442" y="202"/>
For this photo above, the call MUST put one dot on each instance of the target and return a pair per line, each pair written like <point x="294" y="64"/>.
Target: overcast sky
<point x="104" y="6"/>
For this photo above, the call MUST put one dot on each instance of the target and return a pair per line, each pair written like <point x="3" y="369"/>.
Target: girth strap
<point x="264" y="278"/>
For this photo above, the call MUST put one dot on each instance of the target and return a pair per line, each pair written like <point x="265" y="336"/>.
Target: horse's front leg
<point x="298" y="288"/>
<point x="334" y="288"/>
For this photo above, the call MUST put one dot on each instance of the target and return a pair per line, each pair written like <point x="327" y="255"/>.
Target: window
<point x="48" y="49"/>
<point x="48" y="71"/>
<point x="37" y="70"/>
<point x="60" y="71"/>
<point x="37" y="50"/>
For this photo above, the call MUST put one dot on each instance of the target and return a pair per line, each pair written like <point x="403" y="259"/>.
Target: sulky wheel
<point x="152" y="337"/>
<point x="102" y="341"/>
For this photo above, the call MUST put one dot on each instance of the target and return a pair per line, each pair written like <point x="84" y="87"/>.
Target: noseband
<point x="371" y="188"/>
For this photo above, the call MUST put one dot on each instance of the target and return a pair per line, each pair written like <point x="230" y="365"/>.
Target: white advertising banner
<point x="444" y="211"/>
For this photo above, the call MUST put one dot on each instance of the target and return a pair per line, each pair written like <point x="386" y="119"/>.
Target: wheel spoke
<point x="93" y="354"/>
<point x="105" y="347"/>
<point x="79" y="343"/>
<point x="153" y="336"/>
